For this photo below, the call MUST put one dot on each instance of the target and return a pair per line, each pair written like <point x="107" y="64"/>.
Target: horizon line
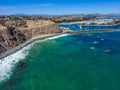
<point x="60" y="14"/>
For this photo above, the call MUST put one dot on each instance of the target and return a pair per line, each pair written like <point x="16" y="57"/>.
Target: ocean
<point x="77" y="27"/>
<point x="88" y="61"/>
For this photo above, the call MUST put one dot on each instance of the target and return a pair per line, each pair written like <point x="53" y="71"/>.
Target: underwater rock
<point x="22" y="65"/>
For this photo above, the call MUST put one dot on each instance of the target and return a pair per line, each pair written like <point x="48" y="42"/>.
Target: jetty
<point x="75" y="32"/>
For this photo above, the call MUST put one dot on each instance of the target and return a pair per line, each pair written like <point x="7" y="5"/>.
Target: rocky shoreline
<point x="45" y="36"/>
<point x="10" y="58"/>
<point x="15" y="49"/>
<point x="16" y="31"/>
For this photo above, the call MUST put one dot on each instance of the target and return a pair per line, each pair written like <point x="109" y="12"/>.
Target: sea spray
<point x="55" y="37"/>
<point x="64" y="64"/>
<point x="8" y="63"/>
<point x="50" y="38"/>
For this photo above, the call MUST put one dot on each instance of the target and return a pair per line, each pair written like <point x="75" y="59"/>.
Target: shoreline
<point x="10" y="58"/>
<point x="42" y="37"/>
<point x="22" y="45"/>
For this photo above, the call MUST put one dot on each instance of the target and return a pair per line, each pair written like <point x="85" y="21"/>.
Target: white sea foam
<point x="8" y="63"/>
<point x="55" y="37"/>
<point x="102" y="39"/>
<point x="50" y="38"/>
<point x="96" y="42"/>
<point x="92" y="48"/>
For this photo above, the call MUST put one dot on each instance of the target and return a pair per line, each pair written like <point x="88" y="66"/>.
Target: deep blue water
<point x="76" y="27"/>
<point x="107" y="42"/>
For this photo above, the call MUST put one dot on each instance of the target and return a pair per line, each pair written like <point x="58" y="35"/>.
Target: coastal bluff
<point x="17" y="31"/>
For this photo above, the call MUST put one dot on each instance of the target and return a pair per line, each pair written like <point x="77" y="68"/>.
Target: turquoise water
<point x="75" y="62"/>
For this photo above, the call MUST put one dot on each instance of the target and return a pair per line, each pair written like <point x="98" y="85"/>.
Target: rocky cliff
<point x="14" y="32"/>
<point x="38" y="27"/>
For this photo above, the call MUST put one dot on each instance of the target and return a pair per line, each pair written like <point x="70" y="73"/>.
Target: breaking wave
<point x="8" y="63"/>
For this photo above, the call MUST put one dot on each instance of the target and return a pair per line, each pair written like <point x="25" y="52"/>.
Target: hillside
<point x="14" y="32"/>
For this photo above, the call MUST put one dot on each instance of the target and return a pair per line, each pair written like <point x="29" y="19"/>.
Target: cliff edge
<point x="15" y="32"/>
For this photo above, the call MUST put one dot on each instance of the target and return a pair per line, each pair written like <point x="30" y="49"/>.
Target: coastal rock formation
<point x="9" y="38"/>
<point x="14" y="32"/>
<point x="38" y="27"/>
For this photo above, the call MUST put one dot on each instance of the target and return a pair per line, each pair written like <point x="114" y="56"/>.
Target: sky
<point x="59" y="7"/>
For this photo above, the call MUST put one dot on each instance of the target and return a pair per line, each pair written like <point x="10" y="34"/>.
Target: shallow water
<point x="82" y="62"/>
